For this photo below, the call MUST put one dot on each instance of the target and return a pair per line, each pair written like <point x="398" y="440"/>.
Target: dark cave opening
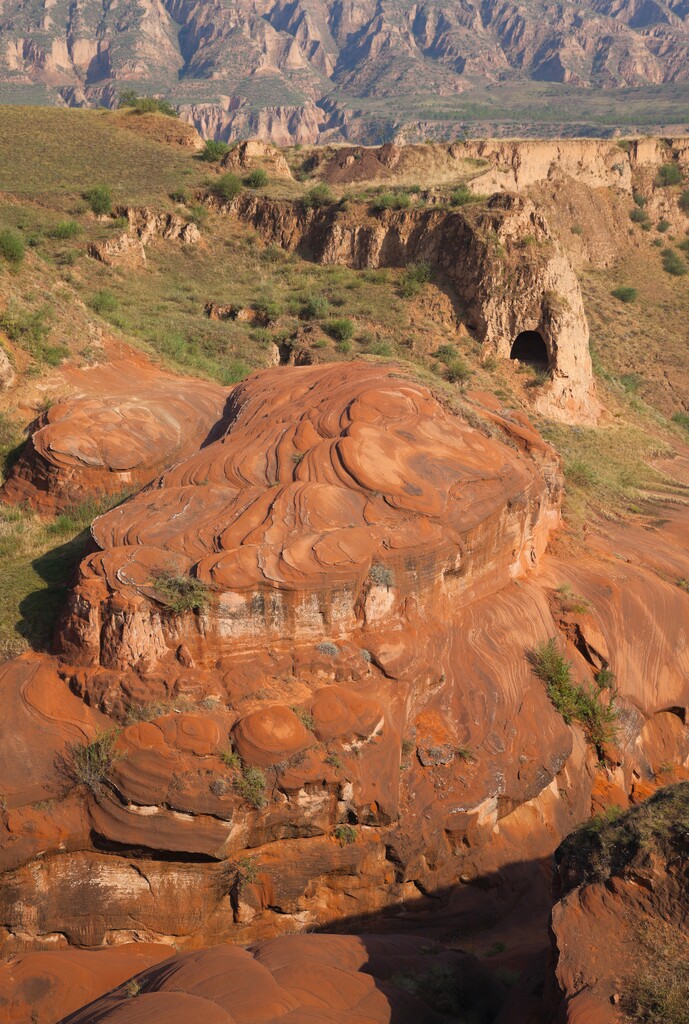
<point x="529" y="347"/>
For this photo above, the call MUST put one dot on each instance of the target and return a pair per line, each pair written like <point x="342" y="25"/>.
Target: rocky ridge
<point x="308" y="71"/>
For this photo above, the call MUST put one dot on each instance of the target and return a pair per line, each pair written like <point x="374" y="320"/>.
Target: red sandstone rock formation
<point x="124" y="422"/>
<point x="297" y="978"/>
<point x="621" y="924"/>
<point x="364" y="558"/>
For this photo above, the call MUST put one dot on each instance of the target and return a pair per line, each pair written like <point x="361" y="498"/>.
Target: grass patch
<point x="624" y="293"/>
<point x="181" y="593"/>
<point x="574" y="702"/>
<point x="12" y="247"/>
<point x="251" y="786"/>
<point x="88" y="764"/>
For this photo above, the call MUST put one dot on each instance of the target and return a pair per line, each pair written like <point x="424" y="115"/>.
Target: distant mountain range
<point x="370" y="70"/>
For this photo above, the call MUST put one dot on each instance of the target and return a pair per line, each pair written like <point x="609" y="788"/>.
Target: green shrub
<point x="247" y="872"/>
<point x="681" y="419"/>
<point x="269" y="309"/>
<point x="639" y="199"/>
<point x="251" y="786"/>
<point x="414" y="278"/>
<point x="341" y="329"/>
<point x="673" y="263"/>
<point x="662" y="226"/>
<point x="181" y="593"/>
<point x="319" y="195"/>
<point x="328" y="647"/>
<point x="315" y="308"/>
<point x="668" y="174"/>
<point x="684" y="201"/>
<point x="457" y="371"/>
<point x="103" y="302"/>
<point x="345" y="834"/>
<point x="380" y="348"/>
<point x="381" y="575"/>
<point x="577" y="229"/>
<point x="11" y="247"/>
<point x="230" y="758"/>
<point x="179" y="196"/>
<point x="146" y="104"/>
<point x="579" y="473"/>
<point x="88" y="764"/>
<point x="306" y="719"/>
<point x="257" y="179"/>
<point x="213" y="150"/>
<point x="391" y="201"/>
<point x="461" y="195"/>
<point x="99" y="199"/>
<point x="624" y="293"/>
<point x="226" y="188"/>
<point x="639" y="216"/>
<point x="574" y="702"/>
<point x="64" y="229"/>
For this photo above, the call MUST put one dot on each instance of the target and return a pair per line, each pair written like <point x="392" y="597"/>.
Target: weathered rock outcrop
<point x="347" y="721"/>
<point x="123" y="423"/>
<point x="315" y="978"/>
<point x="246" y="156"/>
<point x="506" y="269"/>
<point x="620" y="927"/>
<point x="355" y="496"/>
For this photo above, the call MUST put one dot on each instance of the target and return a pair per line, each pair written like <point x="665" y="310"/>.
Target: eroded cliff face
<point x="619" y="929"/>
<point x="506" y="271"/>
<point x="347" y="721"/>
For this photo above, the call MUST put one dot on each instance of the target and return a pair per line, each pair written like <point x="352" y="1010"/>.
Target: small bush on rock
<point x="89" y="763"/>
<point x="182" y="593"/>
<point x="251" y="786"/>
<point x="345" y="834"/>
<point x="574" y="702"/>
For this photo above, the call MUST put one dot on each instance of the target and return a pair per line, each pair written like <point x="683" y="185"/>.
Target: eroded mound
<point x="300" y="979"/>
<point x="337" y="494"/>
<point x="125" y="421"/>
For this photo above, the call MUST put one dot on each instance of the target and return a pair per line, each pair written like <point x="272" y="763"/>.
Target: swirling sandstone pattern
<point x="337" y="494"/>
<point x="124" y="422"/>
